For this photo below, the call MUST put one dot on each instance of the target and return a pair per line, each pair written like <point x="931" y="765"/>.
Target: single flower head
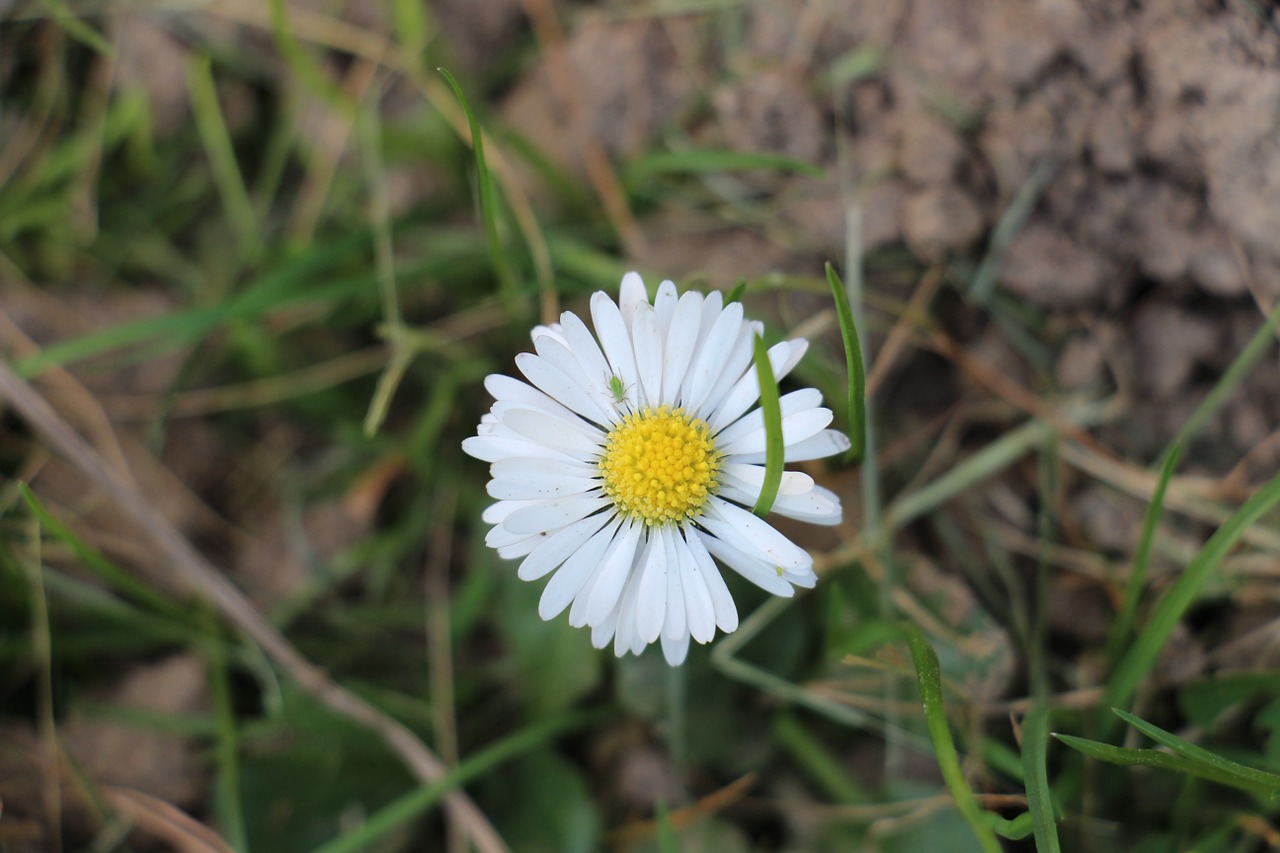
<point x="629" y="459"/>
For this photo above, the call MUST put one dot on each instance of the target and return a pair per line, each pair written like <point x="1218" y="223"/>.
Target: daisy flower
<point x="628" y="461"/>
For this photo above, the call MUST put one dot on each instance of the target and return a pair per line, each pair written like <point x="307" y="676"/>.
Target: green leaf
<point x="1141" y="656"/>
<point x="1247" y="776"/>
<point x="488" y="200"/>
<point x="857" y="405"/>
<point x="1035" y="745"/>
<point x="1126" y="757"/>
<point x="929" y="679"/>
<point x="1138" y="573"/>
<point x="772" y="411"/>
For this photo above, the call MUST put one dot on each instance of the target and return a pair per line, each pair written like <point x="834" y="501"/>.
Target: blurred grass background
<point x="246" y="252"/>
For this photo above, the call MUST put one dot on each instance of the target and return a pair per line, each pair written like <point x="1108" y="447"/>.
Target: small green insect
<point x="617" y="390"/>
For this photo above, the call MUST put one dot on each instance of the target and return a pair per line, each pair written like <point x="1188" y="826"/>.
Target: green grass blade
<point x="667" y="842"/>
<point x="857" y="404"/>
<point x="772" y="411"/>
<point x="1035" y="746"/>
<point x="100" y="565"/>
<point x="1231" y="378"/>
<point x="735" y="295"/>
<point x="226" y="746"/>
<point x="701" y="160"/>
<point x="929" y="679"/>
<point x="414" y="803"/>
<point x="1141" y="656"/>
<point x="488" y="200"/>
<point x="76" y="28"/>
<point x="1125" y="757"/>
<point x="1138" y="573"/>
<point x="1190" y="751"/>
<point x="222" y="158"/>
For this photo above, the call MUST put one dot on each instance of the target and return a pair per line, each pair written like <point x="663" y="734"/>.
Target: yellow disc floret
<point x="660" y="465"/>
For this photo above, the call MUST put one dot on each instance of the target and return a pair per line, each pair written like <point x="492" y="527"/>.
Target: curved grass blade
<point x="735" y="295"/>
<point x="773" y="444"/>
<point x="857" y="407"/>
<point x="1141" y="656"/>
<point x="488" y="201"/>
<point x="929" y="679"/>
<point x="1138" y="573"/>
<point x="1248" y="776"/>
<point x="1126" y="757"/>
<point x="1035" y="746"/>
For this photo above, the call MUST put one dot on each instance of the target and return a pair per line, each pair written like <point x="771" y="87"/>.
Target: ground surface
<point x="1063" y="220"/>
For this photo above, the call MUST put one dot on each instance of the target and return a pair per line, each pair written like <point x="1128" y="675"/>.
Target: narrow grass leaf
<point x="1035" y="746"/>
<point x="1231" y="378"/>
<point x="488" y="200"/>
<point x="226" y="747"/>
<point x="1128" y="615"/>
<point x="414" y="803"/>
<point x="666" y="835"/>
<point x="1127" y="757"/>
<point x="983" y="283"/>
<point x="91" y="559"/>
<point x="1190" y="751"/>
<point x="995" y="457"/>
<point x="1141" y="656"/>
<point x="857" y="403"/>
<point x="929" y="679"/>
<point x="222" y="158"/>
<point x="735" y="295"/>
<point x="773" y="443"/>
<point x="701" y="160"/>
<point x="76" y="28"/>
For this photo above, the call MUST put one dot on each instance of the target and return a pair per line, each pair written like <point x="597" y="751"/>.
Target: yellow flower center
<point x="660" y="465"/>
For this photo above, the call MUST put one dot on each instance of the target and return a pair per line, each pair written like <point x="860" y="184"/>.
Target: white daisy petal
<point x="699" y="612"/>
<point x="769" y="578"/>
<point x="614" y="575"/>
<point x="681" y="341"/>
<point x="664" y="306"/>
<point x="748" y="533"/>
<point x="557" y="434"/>
<point x="795" y="429"/>
<point x="553" y="331"/>
<point x="595" y="367"/>
<point x="621" y="552"/>
<point x="648" y="346"/>
<point x="498" y="512"/>
<point x="651" y="595"/>
<point x="829" y="442"/>
<point x="556" y="383"/>
<point x="560" y="546"/>
<point x="806" y="399"/>
<point x="494" y="448"/>
<point x="709" y="362"/>
<point x="818" y="506"/>
<point x="568" y="580"/>
<point x="544" y="516"/>
<point x="591" y="384"/>
<point x="625" y="637"/>
<point x="674" y="624"/>
<point x="736" y="363"/>
<point x="726" y="612"/>
<point x="630" y="294"/>
<point x="747" y="389"/>
<point x="675" y="651"/>
<point x="615" y="339"/>
<point x="518" y="549"/>
<point x="751" y="477"/>
<point x="504" y="389"/>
